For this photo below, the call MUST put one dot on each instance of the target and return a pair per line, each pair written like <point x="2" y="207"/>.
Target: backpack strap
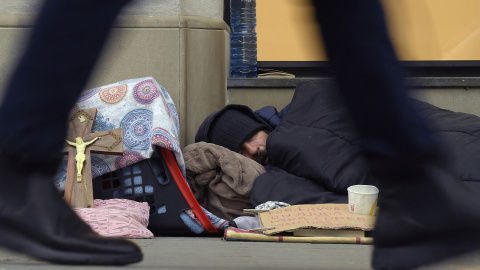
<point x="185" y="190"/>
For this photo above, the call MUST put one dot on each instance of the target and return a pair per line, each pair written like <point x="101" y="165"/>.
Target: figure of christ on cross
<point x="81" y="143"/>
<point x="80" y="156"/>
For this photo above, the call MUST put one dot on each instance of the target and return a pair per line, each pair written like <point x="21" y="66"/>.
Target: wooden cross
<point x="80" y="143"/>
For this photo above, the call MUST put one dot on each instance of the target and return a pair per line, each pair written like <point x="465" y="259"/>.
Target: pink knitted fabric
<point x="118" y="218"/>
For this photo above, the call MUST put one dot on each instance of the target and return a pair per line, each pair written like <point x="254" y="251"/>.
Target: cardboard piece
<point x="322" y="216"/>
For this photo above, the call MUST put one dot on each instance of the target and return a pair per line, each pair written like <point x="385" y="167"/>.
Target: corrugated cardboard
<point x="323" y="216"/>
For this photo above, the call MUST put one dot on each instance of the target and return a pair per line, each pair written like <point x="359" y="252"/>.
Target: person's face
<point x="255" y="148"/>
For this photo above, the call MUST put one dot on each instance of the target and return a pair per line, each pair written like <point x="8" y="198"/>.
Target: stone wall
<point x="201" y="8"/>
<point x="183" y="44"/>
<point x="460" y="94"/>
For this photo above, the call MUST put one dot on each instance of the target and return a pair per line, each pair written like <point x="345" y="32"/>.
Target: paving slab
<point x="213" y="253"/>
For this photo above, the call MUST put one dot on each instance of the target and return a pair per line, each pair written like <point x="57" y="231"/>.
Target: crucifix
<point x="81" y="143"/>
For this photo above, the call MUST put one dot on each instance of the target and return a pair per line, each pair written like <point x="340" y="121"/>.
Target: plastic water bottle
<point x="243" y="39"/>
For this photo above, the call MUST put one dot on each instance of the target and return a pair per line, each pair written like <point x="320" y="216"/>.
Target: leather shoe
<point x="35" y="220"/>
<point x="425" y="216"/>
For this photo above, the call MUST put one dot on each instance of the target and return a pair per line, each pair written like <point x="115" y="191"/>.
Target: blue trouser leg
<point x="419" y="221"/>
<point x="370" y="78"/>
<point x="60" y="55"/>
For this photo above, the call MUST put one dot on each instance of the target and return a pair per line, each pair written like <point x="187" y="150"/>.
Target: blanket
<point x="221" y="180"/>
<point x="148" y="116"/>
<point x="118" y="218"/>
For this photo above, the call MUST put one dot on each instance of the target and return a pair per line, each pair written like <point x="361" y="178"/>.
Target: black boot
<point x="35" y="220"/>
<point x="425" y="214"/>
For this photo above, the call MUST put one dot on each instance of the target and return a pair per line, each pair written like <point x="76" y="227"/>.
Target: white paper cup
<point x="362" y="199"/>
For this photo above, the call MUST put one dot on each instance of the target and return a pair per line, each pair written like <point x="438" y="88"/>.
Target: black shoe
<point x="425" y="216"/>
<point x="36" y="221"/>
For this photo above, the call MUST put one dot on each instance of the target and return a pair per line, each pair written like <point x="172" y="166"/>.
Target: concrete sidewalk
<point x="214" y="253"/>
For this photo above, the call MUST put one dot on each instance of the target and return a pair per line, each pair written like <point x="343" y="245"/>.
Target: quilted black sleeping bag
<point x="315" y="154"/>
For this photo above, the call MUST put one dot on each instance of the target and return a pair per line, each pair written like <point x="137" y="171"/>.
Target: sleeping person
<point x="239" y="129"/>
<point x="312" y="152"/>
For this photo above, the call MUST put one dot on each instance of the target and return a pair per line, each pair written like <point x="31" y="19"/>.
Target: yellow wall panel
<point x="421" y="30"/>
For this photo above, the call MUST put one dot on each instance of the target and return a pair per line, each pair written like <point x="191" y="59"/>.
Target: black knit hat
<point x="231" y="126"/>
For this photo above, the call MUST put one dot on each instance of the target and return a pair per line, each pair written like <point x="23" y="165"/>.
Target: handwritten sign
<point x="323" y="216"/>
